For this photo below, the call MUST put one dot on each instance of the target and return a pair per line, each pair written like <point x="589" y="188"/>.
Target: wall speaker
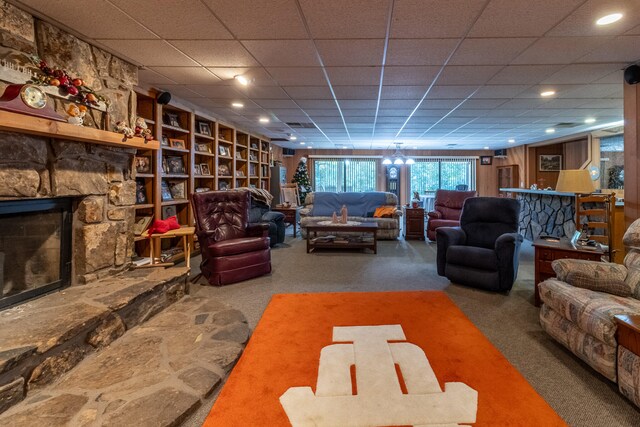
<point x="163" y="98"/>
<point x="500" y="153"/>
<point x="288" y="151"/>
<point x="632" y="74"/>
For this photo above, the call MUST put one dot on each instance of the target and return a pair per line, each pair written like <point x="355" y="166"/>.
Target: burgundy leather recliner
<point x="232" y="248"/>
<point x="447" y="209"/>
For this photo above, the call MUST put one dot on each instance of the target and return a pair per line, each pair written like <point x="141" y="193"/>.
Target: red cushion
<point x="161" y="226"/>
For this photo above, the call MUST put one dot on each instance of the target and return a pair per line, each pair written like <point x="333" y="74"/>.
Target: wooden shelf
<point x="203" y="136"/>
<point x="178" y="150"/>
<point x="14" y="122"/>
<point x="175" y="176"/>
<point x="144" y="175"/>
<point x="225" y="141"/>
<point x="144" y="206"/>
<point x="174" y="128"/>
<point x="175" y="202"/>
<point x="204" y="176"/>
<point x="204" y="153"/>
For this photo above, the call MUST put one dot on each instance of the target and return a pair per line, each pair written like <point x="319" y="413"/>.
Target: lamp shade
<point x="575" y="181"/>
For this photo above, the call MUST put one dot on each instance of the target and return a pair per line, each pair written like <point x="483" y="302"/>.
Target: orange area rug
<point x="284" y="353"/>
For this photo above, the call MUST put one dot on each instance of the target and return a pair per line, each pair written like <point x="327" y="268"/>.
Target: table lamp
<point x="575" y="181"/>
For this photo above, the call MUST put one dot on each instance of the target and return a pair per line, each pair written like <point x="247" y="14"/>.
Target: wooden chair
<point x="596" y="212"/>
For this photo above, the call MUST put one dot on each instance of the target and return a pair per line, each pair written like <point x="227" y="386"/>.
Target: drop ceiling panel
<point x="250" y="19"/>
<point x="263" y="92"/>
<point x="521" y="18"/>
<point x="460" y="75"/>
<point x="356" y="92"/>
<point x="448" y="92"/>
<point x="336" y="19"/>
<point x="181" y="91"/>
<point x="279" y="104"/>
<point x="518" y="74"/>
<point x="216" y="53"/>
<point x="582" y="21"/>
<point x="297" y="76"/>
<point x="356" y="76"/>
<point x="413" y="19"/>
<point x="308" y="92"/>
<point x="257" y="76"/>
<point x="621" y="49"/>
<point x="150" y="52"/>
<point x="151" y="77"/>
<point x="500" y="91"/>
<point x="357" y="103"/>
<point x="283" y="53"/>
<point x="559" y="50"/>
<point x="188" y="75"/>
<point x="582" y="73"/>
<point x="351" y="52"/>
<point x="403" y="92"/>
<point x="490" y="51"/>
<point x="213" y="91"/>
<point x="189" y="19"/>
<point x="419" y="51"/>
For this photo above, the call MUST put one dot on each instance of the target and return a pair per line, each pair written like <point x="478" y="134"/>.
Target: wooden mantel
<point x="21" y="123"/>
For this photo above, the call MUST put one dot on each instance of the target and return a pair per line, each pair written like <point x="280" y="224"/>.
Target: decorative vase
<point x="343" y="214"/>
<point x="334" y="218"/>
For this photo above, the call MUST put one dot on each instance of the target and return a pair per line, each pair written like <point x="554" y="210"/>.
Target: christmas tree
<point x="301" y="177"/>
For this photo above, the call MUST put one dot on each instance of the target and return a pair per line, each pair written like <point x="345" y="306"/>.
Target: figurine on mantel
<point x="76" y="114"/>
<point x="123" y="128"/>
<point x="343" y="214"/>
<point x="142" y="130"/>
<point x="334" y="218"/>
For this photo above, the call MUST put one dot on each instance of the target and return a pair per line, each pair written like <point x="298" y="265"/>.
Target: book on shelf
<point x="140" y="261"/>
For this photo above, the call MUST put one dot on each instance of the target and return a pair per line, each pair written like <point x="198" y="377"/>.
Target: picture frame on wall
<point x="203" y="148"/>
<point x="176" y="143"/>
<point x="222" y="150"/>
<point x="165" y="192"/>
<point x="141" y="192"/>
<point x="165" y="141"/>
<point x="486" y="160"/>
<point x="204" y="128"/>
<point x="169" y="211"/>
<point x="143" y="164"/>
<point x="178" y="189"/>
<point x="171" y="119"/>
<point x="175" y="165"/>
<point x="205" y="169"/>
<point x="197" y="170"/>
<point x="549" y="162"/>
<point x="223" y="170"/>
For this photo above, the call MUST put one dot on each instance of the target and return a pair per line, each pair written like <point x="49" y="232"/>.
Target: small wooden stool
<point x="156" y="239"/>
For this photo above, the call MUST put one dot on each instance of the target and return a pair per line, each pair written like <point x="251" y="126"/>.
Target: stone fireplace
<point x="97" y="183"/>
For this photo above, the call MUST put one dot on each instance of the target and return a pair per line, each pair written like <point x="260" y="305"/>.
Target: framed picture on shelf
<point x="485" y="160"/>
<point x="204" y="128"/>
<point x="223" y="170"/>
<point x="143" y="164"/>
<point x="550" y="162"/>
<point x="165" y="193"/>
<point x="178" y="189"/>
<point x="141" y="224"/>
<point x="175" y="165"/>
<point x="205" y="169"/>
<point x="197" y="170"/>
<point x="169" y="211"/>
<point x="141" y="192"/>
<point x="223" y="185"/>
<point x="176" y="143"/>
<point x="171" y="119"/>
<point x="222" y="150"/>
<point x="254" y="145"/>
<point x="240" y="174"/>
<point x="202" y="189"/>
<point x="165" y="141"/>
<point x="203" y="148"/>
<point x="239" y="155"/>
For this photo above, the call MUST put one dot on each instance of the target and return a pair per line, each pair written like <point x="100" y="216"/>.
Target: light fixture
<point x="590" y="120"/>
<point x="302" y="143"/>
<point x="609" y="19"/>
<point x="263" y="120"/>
<point x="293" y="138"/>
<point x="241" y="79"/>
<point x="237" y="104"/>
<point x="575" y="181"/>
<point x="397" y="158"/>
<point x="511" y="141"/>
<point x="548" y="93"/>
<point x="550" y="130"/>
<point x="486" y="148"/>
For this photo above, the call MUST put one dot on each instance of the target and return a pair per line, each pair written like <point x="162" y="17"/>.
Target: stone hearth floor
<point x="155" y="373"/>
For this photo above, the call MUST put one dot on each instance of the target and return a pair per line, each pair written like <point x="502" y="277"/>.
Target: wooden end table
<point x="548" y="251"/>
<point x="291" y="216"/>
<point x="413" y="223"/>
<point x="183" y="232"/>
<point x="628" y="332"/>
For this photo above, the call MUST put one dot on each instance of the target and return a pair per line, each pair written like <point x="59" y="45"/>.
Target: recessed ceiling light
<point x="486" y="148"/>
<point x="302" y="142"/>
<point x="511" y="141"/>
<point x="237" y="104"/>
<point x="242" y="80"/>
<point x="293" y="138"/>
<point x="415" y="147"/>
<point x="590" y="120"/>
<point x="309" y="146"/>
<point x="550" y="130"/>
<point x="263" y="120"/>
<point x="344" y="146"/>
<point x="548" y="93"/>
<point x="609" y="19"/>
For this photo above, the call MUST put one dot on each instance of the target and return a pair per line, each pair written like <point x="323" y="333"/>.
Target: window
<point x="344" y="174"/>
<point x="448" y="174"/>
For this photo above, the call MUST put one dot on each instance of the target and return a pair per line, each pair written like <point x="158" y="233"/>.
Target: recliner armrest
<point x="447" y="236"/>
<point x="434" y="214"/>
<point x="258" y="229"/>
<point x="507" y="239"/>
<point x="507" y="249"/>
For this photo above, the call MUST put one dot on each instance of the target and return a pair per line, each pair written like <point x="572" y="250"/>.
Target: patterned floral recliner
<point x="579" y="305"/>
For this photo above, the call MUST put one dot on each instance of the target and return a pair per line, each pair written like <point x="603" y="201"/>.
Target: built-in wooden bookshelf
<point x="197" y="153"/>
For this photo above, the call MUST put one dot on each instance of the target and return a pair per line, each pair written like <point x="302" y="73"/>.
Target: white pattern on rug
<point x="379" y="399"/>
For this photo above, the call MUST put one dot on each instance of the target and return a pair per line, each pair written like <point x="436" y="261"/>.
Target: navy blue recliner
<point x="483" y="251"/>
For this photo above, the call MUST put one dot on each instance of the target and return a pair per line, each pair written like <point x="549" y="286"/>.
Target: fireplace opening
<point x="35" y="248"/>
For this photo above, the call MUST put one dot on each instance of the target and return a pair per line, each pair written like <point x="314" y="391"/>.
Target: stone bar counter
<point x="545" y="212"/>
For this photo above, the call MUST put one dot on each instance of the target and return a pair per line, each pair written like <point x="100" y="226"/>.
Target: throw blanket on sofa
<point x="358" y="204"/>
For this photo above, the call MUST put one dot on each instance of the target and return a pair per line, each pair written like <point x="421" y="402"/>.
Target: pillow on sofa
<point x="595" y="276"/>
<point x="384" y="212"/>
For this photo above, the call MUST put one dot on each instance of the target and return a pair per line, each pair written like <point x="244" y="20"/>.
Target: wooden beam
<point x="22" y="123"/>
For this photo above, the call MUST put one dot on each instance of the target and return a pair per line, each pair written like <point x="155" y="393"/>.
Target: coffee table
<point x="350" y="243"/>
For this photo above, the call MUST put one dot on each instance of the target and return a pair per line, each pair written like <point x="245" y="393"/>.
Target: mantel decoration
<point x="73" y="86"/>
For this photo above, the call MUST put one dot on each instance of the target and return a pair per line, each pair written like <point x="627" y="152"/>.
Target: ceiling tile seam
<point x="382" y="65"/>
<point x="450" y="112"/>
<point x="321" y="62"/>
<point x="439" y="73"/>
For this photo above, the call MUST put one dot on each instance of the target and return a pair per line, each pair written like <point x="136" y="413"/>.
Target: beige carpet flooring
<point x="581" y="396"/>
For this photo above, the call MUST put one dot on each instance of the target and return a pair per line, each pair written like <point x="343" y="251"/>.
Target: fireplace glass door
<point x="35" y="248"/>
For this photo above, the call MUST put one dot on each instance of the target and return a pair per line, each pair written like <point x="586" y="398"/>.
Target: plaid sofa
<point x="578" y="309"/>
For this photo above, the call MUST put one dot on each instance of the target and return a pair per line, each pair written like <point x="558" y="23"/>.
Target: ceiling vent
<point x="299" y="125"/>
<point x="566" y="125"/>
<point x="279" y="139"/>
<point x="345" y="146"/>
<point x="451" y="145"/>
